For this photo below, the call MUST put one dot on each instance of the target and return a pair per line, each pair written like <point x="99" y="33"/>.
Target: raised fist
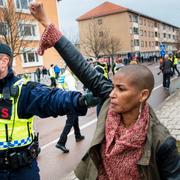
<point x="38" y="12"/>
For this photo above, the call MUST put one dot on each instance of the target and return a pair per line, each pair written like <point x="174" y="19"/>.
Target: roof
<point x="108" y="8"/>
<point x="104" y="9"/>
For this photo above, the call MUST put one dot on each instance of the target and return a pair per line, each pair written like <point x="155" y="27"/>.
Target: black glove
<point x="88" y="100"/>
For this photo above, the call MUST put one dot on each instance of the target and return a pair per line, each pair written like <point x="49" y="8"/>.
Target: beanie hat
<point x="5" y="49"/>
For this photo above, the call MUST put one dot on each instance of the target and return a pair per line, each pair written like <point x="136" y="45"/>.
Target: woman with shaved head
<point x="129" y="142"/>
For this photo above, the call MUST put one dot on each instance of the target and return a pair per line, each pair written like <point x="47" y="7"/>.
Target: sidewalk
<point x="168" y="113"/>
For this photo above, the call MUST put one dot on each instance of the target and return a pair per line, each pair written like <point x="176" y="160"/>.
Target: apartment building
<point x="31" y="30"/>
<point x="138" y="33"/>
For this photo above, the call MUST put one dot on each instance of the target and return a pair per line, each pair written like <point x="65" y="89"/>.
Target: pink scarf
<point x="123" y="147"/>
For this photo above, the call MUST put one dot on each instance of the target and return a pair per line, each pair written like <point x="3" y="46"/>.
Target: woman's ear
<point x="144" y="95"/>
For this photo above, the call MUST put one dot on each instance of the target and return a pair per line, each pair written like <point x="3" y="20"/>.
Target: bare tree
<point x="99" y="41"/>
<point x="112" y="46"/>
<point x="12" y="31"/>
<point x="92" y="43"/>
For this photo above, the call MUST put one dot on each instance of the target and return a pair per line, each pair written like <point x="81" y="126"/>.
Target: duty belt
<point x="15" y="160"/>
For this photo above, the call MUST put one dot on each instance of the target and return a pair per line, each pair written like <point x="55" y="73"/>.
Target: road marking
<point x="89" y="123"/>
<point x="157" y="87"/>
<point x="82" y="127"/>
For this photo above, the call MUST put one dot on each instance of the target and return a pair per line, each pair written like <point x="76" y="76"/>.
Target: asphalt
<point x="168" y="113"/>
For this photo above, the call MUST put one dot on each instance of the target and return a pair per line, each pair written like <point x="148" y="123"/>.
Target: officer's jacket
<point x="36" y="99"/>
<point x="160" y="158"/>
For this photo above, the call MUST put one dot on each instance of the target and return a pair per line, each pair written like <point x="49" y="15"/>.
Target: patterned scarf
<point x="123" y="147"/>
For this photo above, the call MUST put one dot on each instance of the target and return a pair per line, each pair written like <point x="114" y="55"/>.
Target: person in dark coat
<point x="38" y="74"/>
<point x="129" y="141"/>
<point x="166" y="68"/>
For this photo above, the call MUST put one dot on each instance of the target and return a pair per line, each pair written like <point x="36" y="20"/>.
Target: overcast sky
<point x="70" y="10"/>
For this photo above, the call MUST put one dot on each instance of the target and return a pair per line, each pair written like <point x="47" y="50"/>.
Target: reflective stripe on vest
<point x="61" y="83"/>
<point x="20" y="131"/>
<point x="104" y="69"/>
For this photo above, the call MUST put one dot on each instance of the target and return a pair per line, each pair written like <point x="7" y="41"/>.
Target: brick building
<point x="137" y="32"/>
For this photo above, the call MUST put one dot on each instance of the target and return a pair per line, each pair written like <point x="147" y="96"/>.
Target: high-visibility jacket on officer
<point x="102" y="68"/>
<point x="67" y="81"/>
<point x="175" y="60"/>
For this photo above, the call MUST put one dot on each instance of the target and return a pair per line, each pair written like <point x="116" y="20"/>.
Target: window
<point x="99" y="21"/>
<point x="144" y="22"/>
<point x="22" y="4"/>
<point x="169" y="36"/>
<point x="135" y="18"/>
<point x="141" y="21"/>
<point x="145" y="33"/>
<point x="164" y="34"/>
<point x="30" y="58"/>
<point x="135" y="30"/>
<point x="130" y="18"/>
<point x="101" y="34"/>
<point x="29" y="31"/>
<point x="141" y="32"/>
<point x="156" y="34"/>
<point x="155" y="24"/>
<point x="2" y="3"/>
<point x="136" y="42"/>
<point x="3" y="28"/>
<point x="152" y="43"/>
<point x="174" y="37"/>
<point x="149" y="43"/>
<point x="142" y="43"/>
<point x="157" y="43"/>
<point x="145" y="43"/>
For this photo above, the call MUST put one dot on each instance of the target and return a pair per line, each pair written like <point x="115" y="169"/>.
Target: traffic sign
<point x="162" y="50"/>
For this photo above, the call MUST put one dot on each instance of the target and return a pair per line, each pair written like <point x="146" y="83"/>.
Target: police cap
<point x="5" y="49"/>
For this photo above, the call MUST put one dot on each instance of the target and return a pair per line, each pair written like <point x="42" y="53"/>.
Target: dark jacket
<point x="38" y="99"/>
<point x="160" y="159"/>
<point x="166" y="66"/>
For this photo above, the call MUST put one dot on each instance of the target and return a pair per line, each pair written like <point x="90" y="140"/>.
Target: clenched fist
<point x="39" y="14"/>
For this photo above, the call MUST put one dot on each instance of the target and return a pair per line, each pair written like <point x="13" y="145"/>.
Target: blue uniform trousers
<point x="30" y="172"/>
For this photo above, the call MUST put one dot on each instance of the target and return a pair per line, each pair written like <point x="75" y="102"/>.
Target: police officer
<point x="20" y="100"/>
<point x="68" y="82"/>
<point x="102" y="67"/>
<point x="175" y="63"/>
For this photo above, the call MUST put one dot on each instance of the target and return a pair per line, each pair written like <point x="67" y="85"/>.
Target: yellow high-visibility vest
<point x="105" y="69"/>
<point x="15" y="132"/>
<point x="175" y="60"/>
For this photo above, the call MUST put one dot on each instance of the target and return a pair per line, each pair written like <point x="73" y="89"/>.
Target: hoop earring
<point x="140" y="110"/>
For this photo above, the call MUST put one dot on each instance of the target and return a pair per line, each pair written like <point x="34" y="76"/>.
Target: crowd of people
<point x="129" y="141"/>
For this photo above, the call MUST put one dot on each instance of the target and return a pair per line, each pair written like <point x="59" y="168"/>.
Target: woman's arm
<point x="168" y="160"/>
<point x="93" y="80"/>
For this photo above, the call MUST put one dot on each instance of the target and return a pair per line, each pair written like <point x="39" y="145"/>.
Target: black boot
<point x="79" y="138"/>
<point x="62" y="148"/>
